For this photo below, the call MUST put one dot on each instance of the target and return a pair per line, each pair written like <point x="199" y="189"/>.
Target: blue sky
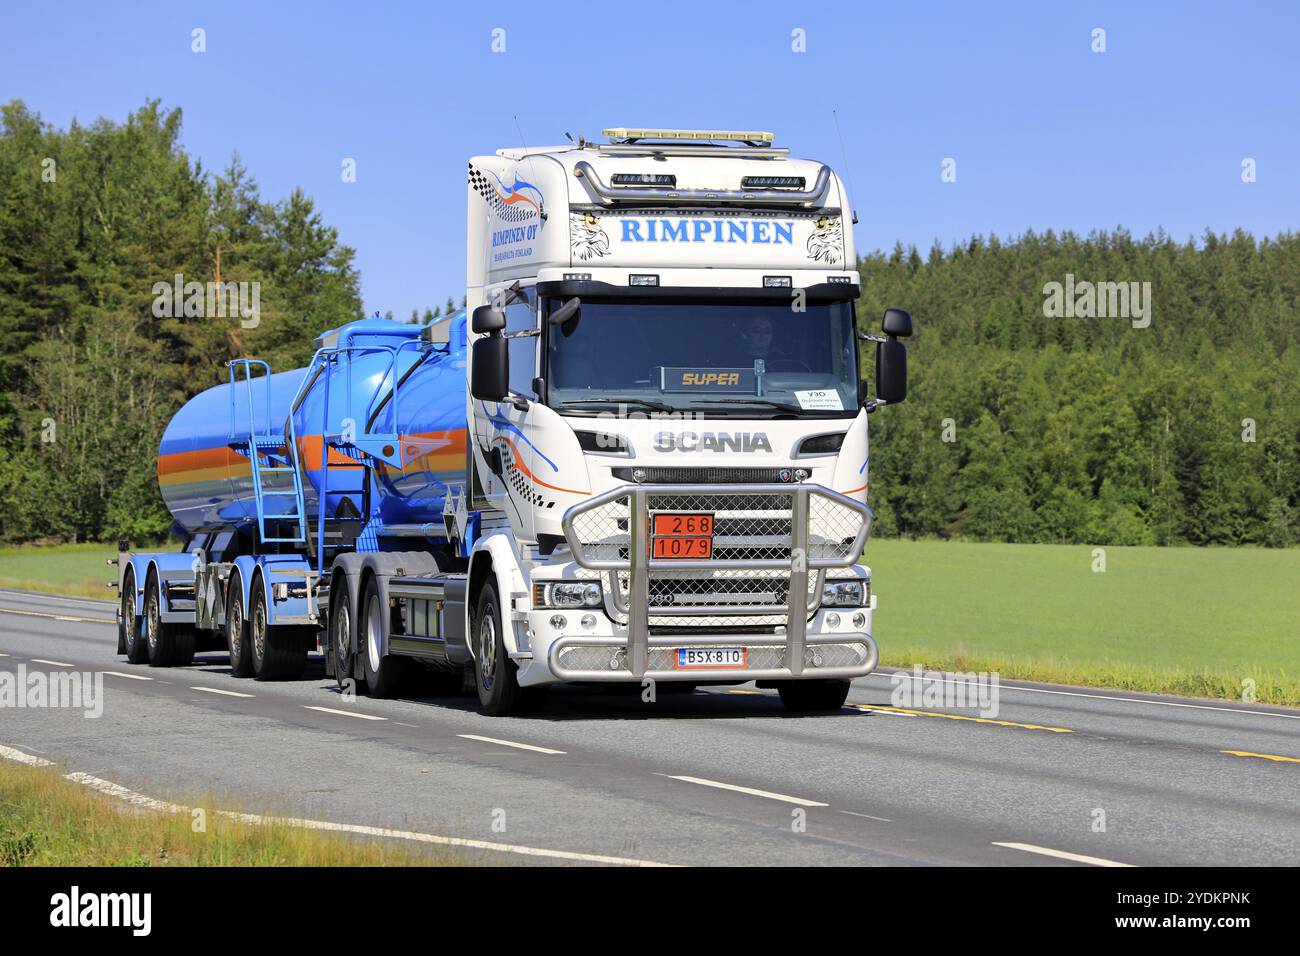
<point x="1045" y="132"/>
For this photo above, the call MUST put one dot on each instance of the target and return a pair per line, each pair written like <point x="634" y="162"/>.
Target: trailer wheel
<point x="340" y="620"/>
<point x="813" y="696"/>
<point x="278" y="652"/>
<point x="384" y="673"/>
<point x="167" y="645"/>
<point x="237" y="641"/>
<point x="499" y="693"/>
<point x="133" y="644"/>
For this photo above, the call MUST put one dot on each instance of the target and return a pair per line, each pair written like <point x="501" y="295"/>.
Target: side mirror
<point x="490" y="367"/>
<point x="891" y="370"/>
<point x="897" y="323"/>
<point x="487" y="319"/>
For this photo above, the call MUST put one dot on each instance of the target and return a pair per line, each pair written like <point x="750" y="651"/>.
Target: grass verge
<point x="46" y="820"/>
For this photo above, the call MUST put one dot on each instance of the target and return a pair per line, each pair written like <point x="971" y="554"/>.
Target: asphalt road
<point x="1061" y="776"/>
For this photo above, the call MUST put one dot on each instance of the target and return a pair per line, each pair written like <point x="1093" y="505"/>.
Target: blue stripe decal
<point x="864" y="464"/>
<point x="500" y="422"/>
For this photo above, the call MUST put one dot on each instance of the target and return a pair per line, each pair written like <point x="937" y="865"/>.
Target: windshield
<point x="755" y="360"/>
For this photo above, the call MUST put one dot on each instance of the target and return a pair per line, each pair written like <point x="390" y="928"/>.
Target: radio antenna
<point x="844" y="156"/>
<point x="541" y="210"/>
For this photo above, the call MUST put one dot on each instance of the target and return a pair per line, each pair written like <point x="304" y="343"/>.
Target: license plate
<point x="683" y="548"/>
<point x="687" y="525"/>
<point x="711" y="658"/>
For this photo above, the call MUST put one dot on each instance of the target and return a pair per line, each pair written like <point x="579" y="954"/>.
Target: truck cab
<point x="668" y="422"/>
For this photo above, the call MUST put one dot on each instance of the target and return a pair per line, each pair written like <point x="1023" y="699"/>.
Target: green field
<point x="1182" y="620"/>
<point x="62" y="569"/>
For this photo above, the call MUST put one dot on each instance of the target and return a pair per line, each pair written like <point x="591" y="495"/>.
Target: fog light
<point x="588" y="621"/>
<point x="859" y="620"/>
<point x="832" y="620"/>
<point x="558" y="621"/>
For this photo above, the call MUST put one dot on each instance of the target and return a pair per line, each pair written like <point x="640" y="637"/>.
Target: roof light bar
<point x="734" y="136"/>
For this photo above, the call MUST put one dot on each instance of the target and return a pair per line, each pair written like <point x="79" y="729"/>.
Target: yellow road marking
<point x="978" y="720"/>
<point x="58" y="617"/>
<point x="1247" y="753"/>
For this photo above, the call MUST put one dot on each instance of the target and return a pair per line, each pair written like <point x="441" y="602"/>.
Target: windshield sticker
<point x="707" y="379"/>
<point x="820" y="399"/>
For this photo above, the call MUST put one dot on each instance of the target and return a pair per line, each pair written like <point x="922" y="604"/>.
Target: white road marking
<point x="118" y="792"/>
<point x="224" y="693"/>
<point x="798" y="801"/>
<point x="41" y="660"/>
<point x="866" y="815"/>
<point x="1061" y="854"/>
<point x="510" y="743"/>
<point x="127" y="676"/>
<point x="17" y="756"/>
<point x="344" y="713"/>
<point x="1127" y="700"/>
<point x="4" y="655"/>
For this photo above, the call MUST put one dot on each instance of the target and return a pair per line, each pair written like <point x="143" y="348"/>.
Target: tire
<point x="340" y="618"/>
<point x="384" y="674"/>
<point x="495" y="674"/>
<point x="278" y="652"/>
<point x="238" y="643"/>
<point x="157" y="635"/>
<point x="133" y="643"/>
<point x="813" y="696"/>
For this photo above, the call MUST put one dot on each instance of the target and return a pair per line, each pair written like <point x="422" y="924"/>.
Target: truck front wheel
<point x="499" y="693"/>
<point x="813" y="696"/>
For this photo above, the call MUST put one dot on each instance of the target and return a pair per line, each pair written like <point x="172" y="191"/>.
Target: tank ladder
<point x="271" y="455"/>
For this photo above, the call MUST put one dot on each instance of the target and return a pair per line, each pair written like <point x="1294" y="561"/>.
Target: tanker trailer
<point x="271" y="477"/>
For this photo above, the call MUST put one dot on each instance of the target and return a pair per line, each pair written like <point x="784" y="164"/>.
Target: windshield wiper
<point x="643" y="402"/>
<point x="767" y="402"/>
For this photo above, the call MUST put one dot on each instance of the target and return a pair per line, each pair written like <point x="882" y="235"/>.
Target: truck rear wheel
<point x="237" y="641"/>
<point x="384" y="673"/>
<point x="499" y="693"/>
<point x="133" y="644"/>
<point x="813" y="696"/>
<point x="168" y="645"/>
<point x="278" y="652"/>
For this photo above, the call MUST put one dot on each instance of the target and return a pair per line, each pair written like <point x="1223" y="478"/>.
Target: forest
<point x="1181" y="426"/>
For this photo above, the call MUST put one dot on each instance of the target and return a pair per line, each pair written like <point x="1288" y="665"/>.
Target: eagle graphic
<point x="586" y="238"/>
<point x="826" y="244"/>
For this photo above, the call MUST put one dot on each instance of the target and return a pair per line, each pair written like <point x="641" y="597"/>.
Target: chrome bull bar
<point x="612" y="532"/>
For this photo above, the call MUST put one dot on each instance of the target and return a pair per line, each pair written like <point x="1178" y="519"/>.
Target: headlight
<point x="567" y="594"/>
<point x="844" y="594"/>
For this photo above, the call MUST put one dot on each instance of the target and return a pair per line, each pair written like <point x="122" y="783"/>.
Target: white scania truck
<point x="639" y="455"/>
<point x="668" y="434"/>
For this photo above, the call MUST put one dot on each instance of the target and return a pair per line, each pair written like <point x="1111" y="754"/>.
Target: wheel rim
<point x="259" y="630"/>
<point x="128" y="613"/>
<point x="487" y="646"/>
<point x="342" y="639"/>
<point x="153" y="620"/>
<point x="236" y="629"/>
<point x="373" y="626"/>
